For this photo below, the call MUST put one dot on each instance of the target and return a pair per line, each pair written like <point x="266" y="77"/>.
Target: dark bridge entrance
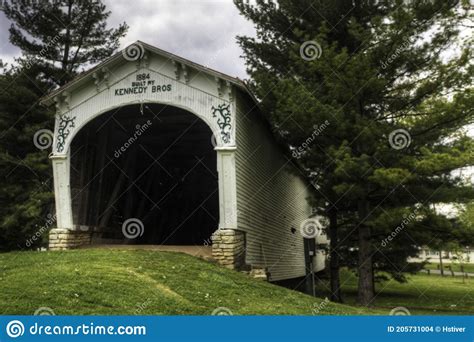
<point x="153" y="164"/>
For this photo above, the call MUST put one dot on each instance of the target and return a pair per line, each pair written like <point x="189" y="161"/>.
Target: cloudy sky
<point x="202" y="30"/>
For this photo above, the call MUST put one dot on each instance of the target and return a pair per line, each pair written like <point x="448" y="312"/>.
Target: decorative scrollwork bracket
<point x="224" y="121"/>
<point x="64" y="129"/>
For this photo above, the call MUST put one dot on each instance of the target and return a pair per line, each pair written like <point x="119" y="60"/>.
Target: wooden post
<point x="62" y="191"/>
<point x="227" y="187"/>
<point x="441" y="267"/>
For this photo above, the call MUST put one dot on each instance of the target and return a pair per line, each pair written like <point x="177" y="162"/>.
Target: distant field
<point x="456" y="267"/>
<point x="422" y="295"/>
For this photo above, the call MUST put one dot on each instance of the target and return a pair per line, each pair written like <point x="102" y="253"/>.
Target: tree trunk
<point x="334" y="257"/>
<point x="366" y="279"/>
<point x="441" y="267"/>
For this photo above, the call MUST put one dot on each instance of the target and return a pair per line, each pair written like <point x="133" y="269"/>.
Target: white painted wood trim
<point x="62" y="191"/>
<point x="88" y="104"/>
<point x="211" y="100"/>
<point x="227" y="187"/>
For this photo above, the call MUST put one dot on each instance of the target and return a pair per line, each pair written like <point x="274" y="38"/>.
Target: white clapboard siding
<point x="257" y="180"/>
<point x="271" y="197"/>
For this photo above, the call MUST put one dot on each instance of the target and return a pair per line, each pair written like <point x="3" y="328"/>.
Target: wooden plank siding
<point x="271" y="197"/>
<point x="261" y="191"/>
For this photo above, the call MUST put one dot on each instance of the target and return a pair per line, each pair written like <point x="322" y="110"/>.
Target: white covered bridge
<point x="150" y="148"/>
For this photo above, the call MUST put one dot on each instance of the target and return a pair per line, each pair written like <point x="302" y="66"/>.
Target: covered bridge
<point x="150" y="148"/>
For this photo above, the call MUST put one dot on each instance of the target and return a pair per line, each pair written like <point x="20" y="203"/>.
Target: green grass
<point x="106" y="281"/>
<point x="422" y="295"/>
<point x="456" y="267"/>
<point x="127" y="282"/>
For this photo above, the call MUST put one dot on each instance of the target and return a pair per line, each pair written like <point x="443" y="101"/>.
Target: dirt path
<point x="204" y="252"/>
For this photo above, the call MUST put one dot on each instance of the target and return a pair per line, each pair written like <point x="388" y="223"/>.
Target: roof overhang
<point x="118" y="58"/>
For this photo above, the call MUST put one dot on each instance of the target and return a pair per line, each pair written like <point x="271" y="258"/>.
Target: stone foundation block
<point x="228" y="248"/>
<point x="62" y="239"/>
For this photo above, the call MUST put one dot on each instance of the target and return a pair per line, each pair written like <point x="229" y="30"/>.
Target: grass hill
<point x="126" y="282"/>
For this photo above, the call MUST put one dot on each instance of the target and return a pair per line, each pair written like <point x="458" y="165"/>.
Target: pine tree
<point x="25" y="177"/>
<point x="60" y="38"/>
<point x="57" y="41"/>
<point x="466" y="220"/>
<point x="374" y="70"/>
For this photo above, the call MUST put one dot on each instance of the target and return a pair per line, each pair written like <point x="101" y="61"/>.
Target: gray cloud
<point x="7" y="50"/>
<point x="203" y="30"/>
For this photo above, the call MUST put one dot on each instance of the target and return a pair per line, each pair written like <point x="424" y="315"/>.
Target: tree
<point x="56" y="40"/>
<point x="466" y="219"/>
<point x="59" y="38"/>
<point x="25" y="178"/>
<point x="374" y="70"/>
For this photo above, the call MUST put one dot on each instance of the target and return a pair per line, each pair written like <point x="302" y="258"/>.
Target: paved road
<point x="448" y="273"/>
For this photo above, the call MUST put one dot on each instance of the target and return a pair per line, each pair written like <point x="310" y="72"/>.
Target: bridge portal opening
<point x="145" y="174"/>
